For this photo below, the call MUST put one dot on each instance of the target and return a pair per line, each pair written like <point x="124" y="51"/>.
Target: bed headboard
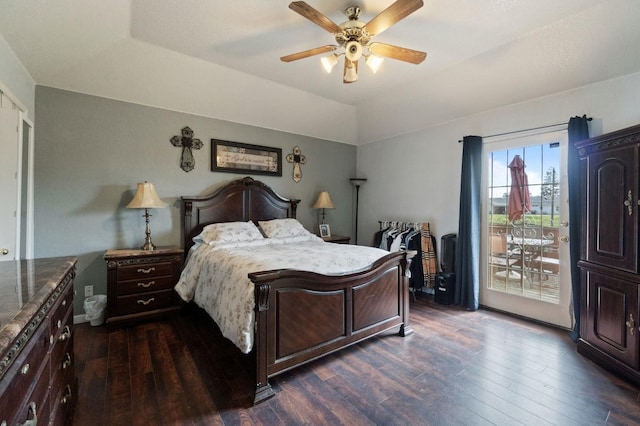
<point x="240" y="200"/>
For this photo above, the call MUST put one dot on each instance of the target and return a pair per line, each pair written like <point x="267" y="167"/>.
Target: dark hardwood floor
<point x="459" y="367"/>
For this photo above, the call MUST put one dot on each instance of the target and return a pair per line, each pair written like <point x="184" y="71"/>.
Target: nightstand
<point x="339" y="239"/>
<point x="140" y="284"/>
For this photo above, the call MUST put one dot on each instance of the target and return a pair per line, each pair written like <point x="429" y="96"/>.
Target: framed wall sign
<point x="235" y="157"/>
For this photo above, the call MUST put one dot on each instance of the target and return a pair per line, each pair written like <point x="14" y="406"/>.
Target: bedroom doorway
<point x="16" y="177"/>
<point x="525" y="239"/>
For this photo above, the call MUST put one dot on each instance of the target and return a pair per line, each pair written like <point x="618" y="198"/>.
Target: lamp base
<point x="148" y="245"/>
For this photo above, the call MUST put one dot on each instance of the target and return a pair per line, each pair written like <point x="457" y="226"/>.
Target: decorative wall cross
<point x="187" y="142"/>
<point x="296" y="158"/>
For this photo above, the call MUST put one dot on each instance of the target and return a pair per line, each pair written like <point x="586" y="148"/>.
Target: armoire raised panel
<point x="610" y="306"/>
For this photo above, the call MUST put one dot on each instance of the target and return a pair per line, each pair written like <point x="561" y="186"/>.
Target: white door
<point x="526" y="257"/>
<point x="9" y="182"/>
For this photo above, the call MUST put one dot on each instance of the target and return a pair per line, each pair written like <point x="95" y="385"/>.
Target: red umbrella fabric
<point x="519" y="199"/>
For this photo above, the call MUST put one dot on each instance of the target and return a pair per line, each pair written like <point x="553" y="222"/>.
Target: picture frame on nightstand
<point x="325" y="230"/>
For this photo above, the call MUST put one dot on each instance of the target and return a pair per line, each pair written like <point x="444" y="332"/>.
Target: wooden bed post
<point x="263" y="388"/>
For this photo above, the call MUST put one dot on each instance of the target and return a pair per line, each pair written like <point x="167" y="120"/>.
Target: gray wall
<point x="416" y="177"/>
<point x="16" y="79"/>
<point x="90" y="152"/>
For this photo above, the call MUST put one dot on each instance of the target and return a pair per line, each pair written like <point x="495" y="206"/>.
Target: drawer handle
<point x="34" y="420"/>
<point x="66" y="334"/>
<point x="64" y="302"/>
<point x="631" y="324"/>
<point x="67" y="361"/>
<point x="146" y="271"/>
<point x="59" y="323"/>
<point x="146" y="285"/>
<point x="629" y="203"/>
<point x="25" y="369"/>
<point x="145" y="302"/>
<point x="67" y="397"/>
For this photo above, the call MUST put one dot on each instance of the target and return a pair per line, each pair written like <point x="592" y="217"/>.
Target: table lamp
<point x="323" y="202"/>
<point x="146" y="198"/>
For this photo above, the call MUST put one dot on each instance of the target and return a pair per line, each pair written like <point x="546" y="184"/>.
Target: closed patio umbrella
<point x="519" y="200"/>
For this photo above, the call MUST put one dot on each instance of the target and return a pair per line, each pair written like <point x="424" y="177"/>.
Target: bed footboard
<point x="301" y="316"/>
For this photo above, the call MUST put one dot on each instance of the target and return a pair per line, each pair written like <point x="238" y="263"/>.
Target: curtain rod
<point x="527" y="130"/>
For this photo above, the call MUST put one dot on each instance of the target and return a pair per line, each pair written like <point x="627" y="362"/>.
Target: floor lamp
<point x="357" y="182"/>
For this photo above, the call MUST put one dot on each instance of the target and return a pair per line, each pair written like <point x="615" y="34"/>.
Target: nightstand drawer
<point x="144" y="271"/>
<point x="145" y="285"/>
<point x="144" y="302"/>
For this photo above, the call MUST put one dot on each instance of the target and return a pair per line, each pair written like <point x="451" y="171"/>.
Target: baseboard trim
<point x="79" y="319"/>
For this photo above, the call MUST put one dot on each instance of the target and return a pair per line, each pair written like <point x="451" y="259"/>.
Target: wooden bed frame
<point x="301" y="316"/>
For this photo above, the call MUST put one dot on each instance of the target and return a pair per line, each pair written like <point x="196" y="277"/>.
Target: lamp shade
<point x="328" y="62"/>
<point x="374" y="62"/>
<point x="146" y="198"/>
<point x="357" y="181"/>
<point x="324" y="201"/>
<point x="350" y="73"/>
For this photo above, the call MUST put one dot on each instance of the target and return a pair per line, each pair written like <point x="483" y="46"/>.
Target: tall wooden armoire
<point x="609" y="261"/>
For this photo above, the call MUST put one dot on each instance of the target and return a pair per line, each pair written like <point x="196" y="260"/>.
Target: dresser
<point x="37" y="376"/>
<point x="140" y="284"/>
<point x="609" y="262"/>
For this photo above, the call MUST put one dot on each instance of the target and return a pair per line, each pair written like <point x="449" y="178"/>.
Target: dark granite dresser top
<point x="25" y="286"/>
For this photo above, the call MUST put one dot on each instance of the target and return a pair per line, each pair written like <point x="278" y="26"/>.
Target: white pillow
<point x="282" y="228"/>
<point x="225" y="232"/>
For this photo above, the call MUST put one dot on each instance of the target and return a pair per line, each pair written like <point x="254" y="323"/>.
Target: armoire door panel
<point x="612" y="226"/>
<point x="612" y="302"/>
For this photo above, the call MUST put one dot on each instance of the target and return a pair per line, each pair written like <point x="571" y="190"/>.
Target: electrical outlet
<point x="88" y="291"/>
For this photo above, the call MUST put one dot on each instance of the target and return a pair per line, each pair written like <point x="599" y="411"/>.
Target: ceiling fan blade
<point x="307" y="53"/>
<point x="394" y="13"/>
<point x="399" y="53"/>
<point x="314" y="16"/>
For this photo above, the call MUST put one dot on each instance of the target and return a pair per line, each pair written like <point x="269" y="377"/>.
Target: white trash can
<point x="94" y="308"/>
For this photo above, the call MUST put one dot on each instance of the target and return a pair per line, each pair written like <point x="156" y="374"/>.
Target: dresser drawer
<point x="62" y="403"/>
<point x="145" y="285"/>
<point x="61" y="358"/>
<point x="145" y="271"/>
<point x="61" y="311"/>
<point x="144" y="302"/>
<point x="26" y="371"/>
<point x="37" y="404"/>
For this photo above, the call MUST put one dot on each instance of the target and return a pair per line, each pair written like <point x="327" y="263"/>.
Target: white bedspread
<point x="215" y="276"/>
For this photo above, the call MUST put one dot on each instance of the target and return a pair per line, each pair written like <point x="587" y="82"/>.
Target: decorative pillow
<point x="225" y="232"/>
<point x="282" y="228"/>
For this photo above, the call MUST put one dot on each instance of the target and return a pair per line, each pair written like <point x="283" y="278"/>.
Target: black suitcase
<point x="445" y="288"/>
<point x="446" y="280"/>
<point x="448" y="253"/>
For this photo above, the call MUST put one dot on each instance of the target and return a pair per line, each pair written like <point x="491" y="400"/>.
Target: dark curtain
<point x="578" y="130"/>
<point x="467" y="290"/>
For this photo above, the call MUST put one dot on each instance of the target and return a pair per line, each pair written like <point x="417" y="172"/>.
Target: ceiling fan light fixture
<point x="374" y="62"/>
<point x="328" y="62"/>
<point x="350" y="73"/>
<point x="353" y="51"/>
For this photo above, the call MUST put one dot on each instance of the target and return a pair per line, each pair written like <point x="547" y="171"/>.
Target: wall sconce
<point x="146" y="198"/>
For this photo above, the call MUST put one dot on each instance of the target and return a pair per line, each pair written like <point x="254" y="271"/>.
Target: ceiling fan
<point x="355" y="37"/>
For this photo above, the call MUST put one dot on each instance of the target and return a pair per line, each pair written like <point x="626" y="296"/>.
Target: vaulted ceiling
<point x="221" y="58"/>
